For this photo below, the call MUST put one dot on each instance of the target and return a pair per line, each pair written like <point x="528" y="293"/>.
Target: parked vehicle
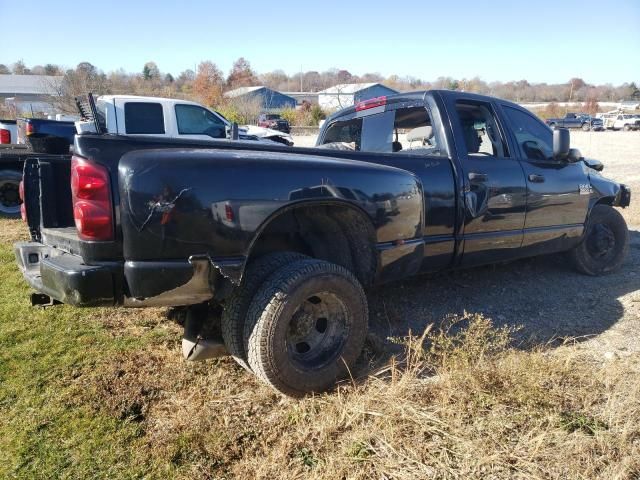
<point x="274" y="121"/>
<point x="46" y="136"/>
<point x="415" y="183"/>
<point x="621" y="121"/>
<point x="571" y="120"/>
<point x="172" y="118"/>
<point x="8" y="132"/>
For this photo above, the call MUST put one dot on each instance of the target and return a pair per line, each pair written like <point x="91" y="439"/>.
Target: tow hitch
<point x="42" y="300"/>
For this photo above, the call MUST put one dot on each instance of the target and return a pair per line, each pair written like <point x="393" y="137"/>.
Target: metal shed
<point x="269" y="99"/>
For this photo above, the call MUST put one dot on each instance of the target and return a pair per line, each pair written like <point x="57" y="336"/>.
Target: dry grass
<point x="462" y="404"/>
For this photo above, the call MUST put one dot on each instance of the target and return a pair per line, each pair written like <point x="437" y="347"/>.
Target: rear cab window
<point x="144" y="118"/>
<point x="402" y="130"/>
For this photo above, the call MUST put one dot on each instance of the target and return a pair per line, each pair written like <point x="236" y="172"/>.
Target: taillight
<point x="228" y="212"/>
<point x="23" y="206"/>
<point x="29" y="128"/>
<point x="92" y="208"/>
<point x="371" y="103"/>
<point x="5" y="135"/>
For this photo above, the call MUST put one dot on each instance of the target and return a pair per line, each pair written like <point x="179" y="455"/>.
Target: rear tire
<point x="9" y="195"/>
<point x="306" y="327"/>
<point x="605" y="244"/>
<point x="237" y="306"/>
<point x="626" y="128"/>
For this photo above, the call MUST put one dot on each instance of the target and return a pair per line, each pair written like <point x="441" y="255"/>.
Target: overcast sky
<point x="540" y="41"/>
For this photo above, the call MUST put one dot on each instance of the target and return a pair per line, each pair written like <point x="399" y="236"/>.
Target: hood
<point x="263" y="132"/>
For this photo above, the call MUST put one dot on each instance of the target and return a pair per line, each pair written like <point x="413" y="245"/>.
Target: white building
<point x="29" y="93"/>
<point x="348" y="94"/>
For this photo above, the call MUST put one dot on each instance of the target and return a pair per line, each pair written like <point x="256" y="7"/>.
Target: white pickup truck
<point x="154" y="116"/>
<point x="620" y="121"/>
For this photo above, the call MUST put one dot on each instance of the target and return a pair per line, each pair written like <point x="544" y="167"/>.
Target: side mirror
<point x="561" y="143"/>
<point x="574" y="155"/>
<point x="234" y="131"/>
<point x="597" y="165"/>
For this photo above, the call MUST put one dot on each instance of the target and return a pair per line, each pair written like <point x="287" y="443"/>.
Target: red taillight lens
<point x="371" y="103"/>
<point x="5" y="135"/>
<point x="28" y="128"/>
<point x="228" y="212"/>
<point x="92" y="209"/>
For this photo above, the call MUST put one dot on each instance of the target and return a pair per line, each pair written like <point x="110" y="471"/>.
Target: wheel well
<point x="605" y="201"/>
<point x="335" y="233"/>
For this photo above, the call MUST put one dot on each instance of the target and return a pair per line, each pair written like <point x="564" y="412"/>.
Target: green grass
<point x="45" y="355"/>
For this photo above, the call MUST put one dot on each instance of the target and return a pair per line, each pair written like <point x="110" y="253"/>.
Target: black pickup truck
<point x="283" y="241"/>
<point x="37" y="138"/>
<point x="572" y="120"/>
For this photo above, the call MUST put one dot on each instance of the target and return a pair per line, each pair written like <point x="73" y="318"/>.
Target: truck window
<point x="480" y="130"/>
<point x="195" y="120"/>
<point x="143" y="118"/>
<point x="414" y="133"/>
<point x="535" y="139"/>
<point x="403" y="130"/>
<point x="347" y="134"/>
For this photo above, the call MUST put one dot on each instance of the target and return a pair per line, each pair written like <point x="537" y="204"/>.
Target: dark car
<point x="46" y="136"/>
<point x="274" y="246"/>
<point x="274" y="121"/>
<point x="580" y="120"/>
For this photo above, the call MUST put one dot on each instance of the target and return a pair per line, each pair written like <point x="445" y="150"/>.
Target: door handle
<point x="478" y="177"/>
<point x="536" y="178"/>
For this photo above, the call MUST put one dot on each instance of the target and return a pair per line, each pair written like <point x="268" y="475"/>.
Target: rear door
<point x="141" y="118"/>
<point x="558" y="192"/>
<point x="495" y="189"/>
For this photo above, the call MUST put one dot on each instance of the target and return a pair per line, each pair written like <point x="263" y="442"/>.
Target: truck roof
<point x="109" y="98"/>
<point x="421" y="94"/>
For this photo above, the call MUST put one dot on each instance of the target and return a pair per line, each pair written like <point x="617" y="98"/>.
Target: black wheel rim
<point x="317" y="331"/>
<point x="9" y="197"/>
<point x="601" y="242"/>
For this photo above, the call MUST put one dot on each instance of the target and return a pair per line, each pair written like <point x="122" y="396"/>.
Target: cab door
<point x="495" y="189"/>
<point x="558" y="191"/>
<point x="197" y="123"/>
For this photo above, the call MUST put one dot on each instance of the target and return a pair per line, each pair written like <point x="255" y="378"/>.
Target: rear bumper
<point x="65" y="278"/>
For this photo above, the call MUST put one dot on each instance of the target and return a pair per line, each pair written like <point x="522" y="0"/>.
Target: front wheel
<point x="306" y="327"/>
<point x="605" y="244"/>
<point x="586" y="127"/>
<point x="626" y="128"/>
<point x="9" y="193"/>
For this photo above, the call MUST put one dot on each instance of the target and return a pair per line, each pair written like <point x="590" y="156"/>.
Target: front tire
<point x="9" y="193"/>
<point x="306" y="327"/>
<point x="626" y="128"/>
<point x="586" y="127"/>
<point x="605" y="244"/>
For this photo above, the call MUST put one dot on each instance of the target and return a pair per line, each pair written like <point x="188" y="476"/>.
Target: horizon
<point x="350" y="40"/>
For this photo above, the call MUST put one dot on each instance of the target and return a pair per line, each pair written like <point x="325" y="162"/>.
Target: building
<point x="30" y="93"/>
<point x="301" y="97"/>
<point x="269" y="100"/>
<point x="348" y="94"/>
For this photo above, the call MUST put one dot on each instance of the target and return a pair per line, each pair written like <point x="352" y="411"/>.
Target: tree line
<point x="208" y="83"/>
